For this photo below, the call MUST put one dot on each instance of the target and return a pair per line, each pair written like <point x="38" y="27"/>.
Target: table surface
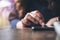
<point x="26" y="34"/>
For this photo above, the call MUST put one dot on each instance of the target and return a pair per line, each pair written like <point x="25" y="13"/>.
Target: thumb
<point x="41" y="22"/>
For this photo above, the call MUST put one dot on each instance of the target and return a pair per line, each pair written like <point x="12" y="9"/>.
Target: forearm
<point x="51" y="21"/>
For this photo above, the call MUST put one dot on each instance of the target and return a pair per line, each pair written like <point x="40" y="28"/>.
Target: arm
<point x="51" y="21"/>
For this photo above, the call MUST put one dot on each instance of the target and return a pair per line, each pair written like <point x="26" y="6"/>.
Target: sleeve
<point x="12" y="16"/>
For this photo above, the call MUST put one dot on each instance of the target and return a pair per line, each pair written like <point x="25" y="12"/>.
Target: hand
<point x="28" y="19"/>
<point x="38" y="17"/>
<point x="35" y="17"/>
<point x="51" y="21"/>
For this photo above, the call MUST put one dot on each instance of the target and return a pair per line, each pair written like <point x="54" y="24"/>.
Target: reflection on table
<point x="27" y="34"/>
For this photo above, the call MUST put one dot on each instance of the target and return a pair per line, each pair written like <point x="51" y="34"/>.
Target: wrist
<point x="19" y="25"/>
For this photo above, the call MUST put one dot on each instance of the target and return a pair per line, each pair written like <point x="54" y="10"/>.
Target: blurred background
<point x="5" y="9"/>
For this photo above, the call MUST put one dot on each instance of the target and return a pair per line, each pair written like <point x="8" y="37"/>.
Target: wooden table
<point x="27" y="34"/>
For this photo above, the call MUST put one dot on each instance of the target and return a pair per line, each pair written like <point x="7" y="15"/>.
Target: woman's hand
<point x="34" y="16"/>
<point x="25" y="21"/>
<point x="38" y="17"/>
<point x="51" y="22"/>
